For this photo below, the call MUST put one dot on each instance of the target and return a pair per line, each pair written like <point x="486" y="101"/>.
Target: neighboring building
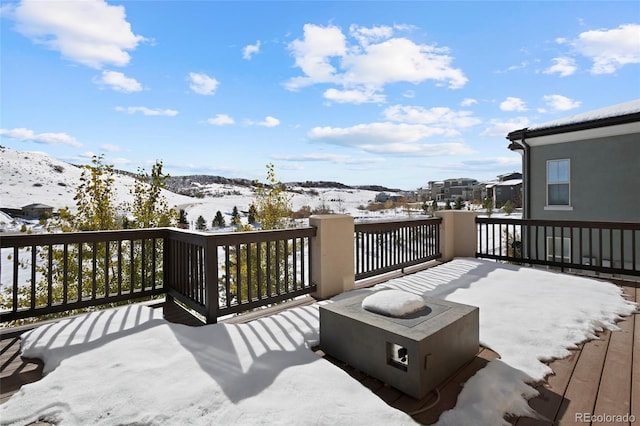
<point x="36" y="211"/>
<point x="508" y="188"/>
<point x="435" y="190"/>
<point x="585" y="167"/>
<point x="461" y="187"/>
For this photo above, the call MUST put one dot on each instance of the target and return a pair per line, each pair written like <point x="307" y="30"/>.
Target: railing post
<point x="332" y="255"/>
<point x="458" y="234"/>
<point x="211" y="279"/>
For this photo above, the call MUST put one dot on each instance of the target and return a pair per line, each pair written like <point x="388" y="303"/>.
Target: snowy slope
<point x="34" y="177"/>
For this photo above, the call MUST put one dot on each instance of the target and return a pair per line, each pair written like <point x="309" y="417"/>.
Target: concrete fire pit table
<point x="413" y="352"/>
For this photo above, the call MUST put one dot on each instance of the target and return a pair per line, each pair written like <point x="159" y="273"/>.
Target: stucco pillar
<point x="458" y="234"/>
<point x="332" y="255"/>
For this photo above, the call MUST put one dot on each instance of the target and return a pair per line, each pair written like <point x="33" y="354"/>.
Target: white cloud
<point x="365" y="36"/>
<point x="500" y="128"/>
<point x="221" y="120"/>
<point x="513" y="104"/>
<point x="400" y="59"/>
<point x="118" y="82"/>
<point x="120" y="161"/>
<point x="354" y="96"/>
<point x="87" y="154"/>
<point x="562" y="66"/>
<point x="312" y="55"/>
<point x="468" y="102"/>
<point x="250" y="50"/>
<point x="269" y="122"/>
<point x="497" y="163"/>
<point x="334" y="158"/>
<point x="439" y="116"/>
<point x="372" y="60"/>
<point x="147" y="111"/>
<point x="202" y="84"/>
<point x="521" y="65"/>
<point x="389" y="138"/>
<point x="91" y="32"/>
<point x="561" y="103"/>
<point x="610" y="49"/>
<point x="110" y="148"/>
<point x="23" y="134"/>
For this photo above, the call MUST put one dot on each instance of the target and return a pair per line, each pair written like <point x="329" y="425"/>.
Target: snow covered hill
<point x="34" y="177"/>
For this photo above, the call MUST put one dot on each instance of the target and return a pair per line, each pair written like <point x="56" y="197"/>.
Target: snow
<point x="617" y="110"/>
<point x="33" y="177"/>
<point x="130" y="366"/>
<point x="393" y="303"/>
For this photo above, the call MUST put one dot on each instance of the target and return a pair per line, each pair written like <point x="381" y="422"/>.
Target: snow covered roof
<point x="615" y="115"/>
<point x="509" y="182"/>
<point x="37" y="206"/>
<point x="618" y="110"/>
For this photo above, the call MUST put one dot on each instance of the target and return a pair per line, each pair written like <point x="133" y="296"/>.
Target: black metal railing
<point x="386" y="246"/>
<point x="53" y="273"/>
<point x="225" y="273"/>
<point x="601" y="247"/>
<point x="213" y="274"/>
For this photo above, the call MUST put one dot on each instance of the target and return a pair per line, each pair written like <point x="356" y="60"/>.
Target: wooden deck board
<point x="614" y="393"/>
<point x="585" y="381"/>
<point x="450" y="390"/>
<point x="16" y="371"/>
<point x="635" y="373"/>
<point x="551" y="398"/>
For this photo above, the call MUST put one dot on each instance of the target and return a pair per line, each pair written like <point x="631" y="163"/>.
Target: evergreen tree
<point x="253" y="212"/>
<point x="182" y="219"/>
<point x="508" y="207"/>
<point x="235" y="216"/>
<point x="458" y="203"/>
<point x="447" y="205"/>
<point x="201" y="224"/>
<point x="488" y="205"/>
<point x="218" y="220"/>
<point x="434" y="206"/>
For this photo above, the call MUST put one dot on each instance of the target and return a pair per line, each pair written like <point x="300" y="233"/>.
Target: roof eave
<point x="518" y="135"/>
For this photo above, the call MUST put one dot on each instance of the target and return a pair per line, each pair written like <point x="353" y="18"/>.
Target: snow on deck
<point x="138" y="368"/>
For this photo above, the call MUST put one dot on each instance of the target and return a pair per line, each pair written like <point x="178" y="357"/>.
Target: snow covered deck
<point x="243" y="373"/>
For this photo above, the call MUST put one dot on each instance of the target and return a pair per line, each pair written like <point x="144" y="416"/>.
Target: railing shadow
<point x="53" y="342"/>
<point x="245" y="359"/>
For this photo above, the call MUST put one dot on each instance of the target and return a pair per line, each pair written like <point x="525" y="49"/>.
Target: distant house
<point x="382" y="197"/>
<point x="508" y="188"/>
<point x="435" y="190"/>
<point x="585" y="167"/>
<point x="461" y="187"/>
<point x="36" y="211"/>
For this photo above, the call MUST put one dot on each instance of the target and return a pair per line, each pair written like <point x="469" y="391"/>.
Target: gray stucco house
<point x="585" y="167"/>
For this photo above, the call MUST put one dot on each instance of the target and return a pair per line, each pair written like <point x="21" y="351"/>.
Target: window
<point x="558" y="182"/>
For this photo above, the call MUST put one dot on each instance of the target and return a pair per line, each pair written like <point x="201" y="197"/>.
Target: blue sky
<point x="388" y="93"/>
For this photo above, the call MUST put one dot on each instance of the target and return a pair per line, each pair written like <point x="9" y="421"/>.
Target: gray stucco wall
<point x="605" y="179"/>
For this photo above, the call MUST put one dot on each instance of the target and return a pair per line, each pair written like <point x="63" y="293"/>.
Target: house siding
<point x="604" y="179"/>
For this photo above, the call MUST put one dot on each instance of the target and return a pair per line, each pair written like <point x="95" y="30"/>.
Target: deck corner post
<point x="458" y="234"/>
<point x="332" y="255"/>
<point x="211" y="279"/>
